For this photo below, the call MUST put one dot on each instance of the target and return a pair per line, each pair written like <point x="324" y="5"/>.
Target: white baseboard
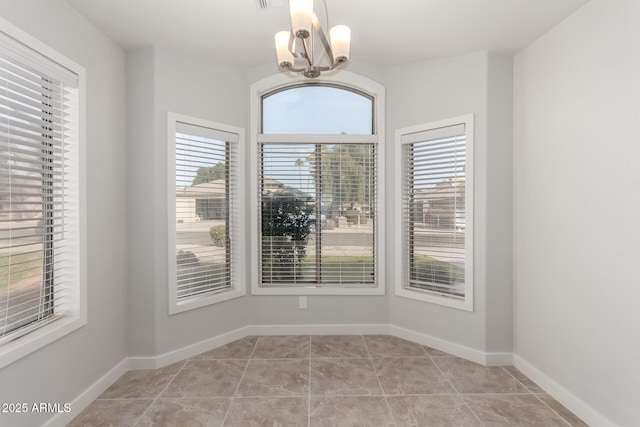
<point x="89" y="395"/>
<point x="587" y="413"/>
<point x="188" y="351"/>
<point x="498" y="359"/>
<point x="220" y="340"/>
<point x="488" y="359"/>
<point x="362" y="329"/>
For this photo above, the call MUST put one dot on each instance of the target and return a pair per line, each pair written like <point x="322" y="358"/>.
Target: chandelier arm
<point x="293" y="69"/>
<point x="292" y="48"/>
<point x="323" y="39"/>
<point x="306" y="55"/>
<point x="336" y="65"/>
<point x="299" y="70"/>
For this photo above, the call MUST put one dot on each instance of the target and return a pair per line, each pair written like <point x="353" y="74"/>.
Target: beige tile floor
<point x="351" y="380"/>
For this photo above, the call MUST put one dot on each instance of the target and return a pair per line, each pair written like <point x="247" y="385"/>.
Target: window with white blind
<point x="318" y="192"/>
<point x="435" y="212"/>
<point x="41" y="293"/>
<point x="205" y="248"/>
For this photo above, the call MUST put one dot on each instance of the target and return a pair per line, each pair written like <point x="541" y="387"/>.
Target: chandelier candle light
<point x="299" y="43"/>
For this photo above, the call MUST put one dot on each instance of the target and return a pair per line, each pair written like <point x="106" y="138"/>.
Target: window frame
<point x="402" y="288"/>
<point x="347" y="81"/>
<point x="74" y="315"/>
<point x="238" y="286"/>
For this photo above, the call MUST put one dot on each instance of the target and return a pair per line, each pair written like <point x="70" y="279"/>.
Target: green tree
<point x="299" y="163"/>
<point x="285" y="230"/>
<point x="210" y="173"/>
<point x="346" y="174"/>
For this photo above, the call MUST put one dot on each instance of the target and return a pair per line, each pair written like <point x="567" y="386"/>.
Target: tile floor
<point x="351" y="380"/>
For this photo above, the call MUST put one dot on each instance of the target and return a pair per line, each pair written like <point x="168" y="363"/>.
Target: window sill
<point x="29" y="343"/>
<point x="465" y="304"/>
<point x="176" y="307"/>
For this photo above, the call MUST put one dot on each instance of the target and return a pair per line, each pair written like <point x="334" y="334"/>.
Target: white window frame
<point x="238" y="286"/>
<point x="75" y="316"/>
<point x="345" y="79"/>
<point x="401" y="261"/>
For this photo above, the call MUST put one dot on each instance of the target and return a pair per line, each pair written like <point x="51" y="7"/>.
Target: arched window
<point x="317" y="191"/>
<point x="317" y="109"/>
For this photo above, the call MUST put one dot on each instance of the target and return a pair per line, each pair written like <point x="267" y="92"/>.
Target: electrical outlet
<point x="302" y="303"/>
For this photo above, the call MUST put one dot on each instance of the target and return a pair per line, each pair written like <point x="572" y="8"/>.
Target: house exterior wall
<point x="186" y="209"/>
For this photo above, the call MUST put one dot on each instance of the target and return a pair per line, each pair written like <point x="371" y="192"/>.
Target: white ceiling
<point x="382" y="31"/>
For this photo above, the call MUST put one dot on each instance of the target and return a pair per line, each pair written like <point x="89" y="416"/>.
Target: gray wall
<point x="141" y="238"/>
<point x="499" y="205"/>
<point x="423" y="92"/>
<point x="64" y="369"/>
<point x="162" y="80"/>
<point x="576" y="207"/>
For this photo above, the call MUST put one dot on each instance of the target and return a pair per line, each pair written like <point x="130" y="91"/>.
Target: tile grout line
<point x="517" y="380"/>
<point x="153" y="402"/>
<point x="233" y="396"/>
<point x="534" y="394"/>
<point x="455" y="389"/>
<point x="552" y="410"/>
<point x="309" y="385"/>
<point x="116" y="399"/>
<point x="388" y="395"/>
<point x="375" y="371"/>
<point x="310" y="396"/>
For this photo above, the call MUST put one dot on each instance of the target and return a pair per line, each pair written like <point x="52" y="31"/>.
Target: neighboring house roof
<point x="211" y="189"/>
<point x="273" y="184"/>
<point x="216" y="189"/>
<point x="454" y="187"/>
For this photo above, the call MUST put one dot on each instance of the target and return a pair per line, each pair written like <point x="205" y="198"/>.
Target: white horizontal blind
<point x="317" y="217"/>
<point x="434" y="209"/>
<point x="38" y="208"/>
<point x="206" y="206"/>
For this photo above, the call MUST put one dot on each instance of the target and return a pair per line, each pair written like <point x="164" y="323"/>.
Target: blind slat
<point x="317" y="213"/>
<point x="206" y="196"/>
<point x="38" y="118"/>
<point x="433" y="209"/>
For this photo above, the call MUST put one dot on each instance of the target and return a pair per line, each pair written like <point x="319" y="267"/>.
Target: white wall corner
<point x="155" y="362"/>
<point x="89" y="395"/>
<point x="581" y="409"/>
<point x="488" y="359"/>
<point x="498" y="359"/>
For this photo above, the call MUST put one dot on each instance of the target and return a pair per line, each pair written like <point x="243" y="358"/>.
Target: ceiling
<point x="388" y="32"/>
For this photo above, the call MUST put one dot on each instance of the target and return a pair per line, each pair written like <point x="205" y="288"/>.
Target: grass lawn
<point x="340" y="269"/>
<point x="25" y="265"/>
<point x="201" y="278"/>
<point x="432" y="270"/>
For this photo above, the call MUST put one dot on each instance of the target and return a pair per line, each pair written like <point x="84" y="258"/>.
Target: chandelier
<point x="305" y="49"/>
